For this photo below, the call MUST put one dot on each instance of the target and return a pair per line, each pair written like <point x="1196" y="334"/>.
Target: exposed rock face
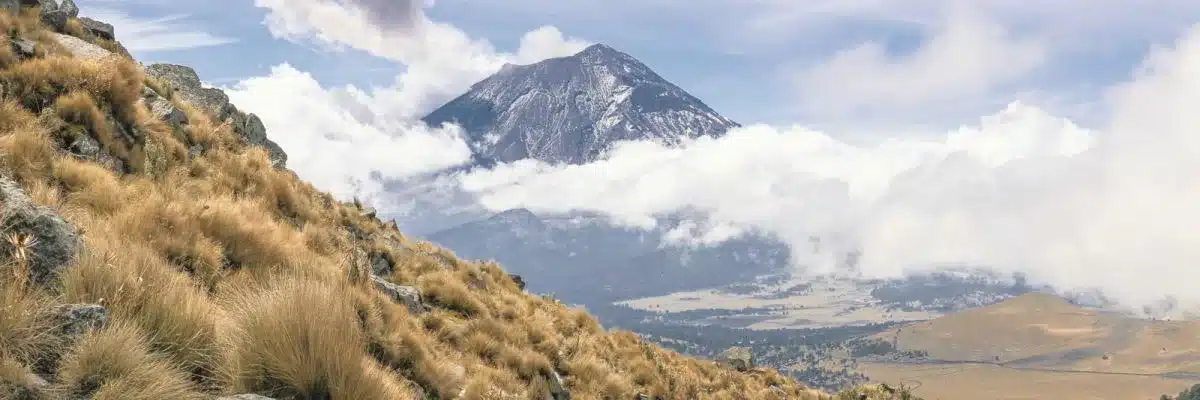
<point x="558" y="390"/>
<point x="740" y="358"/>
<point x="407" y="295"/>
<point x="69" y="7"/>
<point x="79" y="47"/>
<point x="102" y="30"/>
<point x="162" y="109"/>
<point x="24" y="47"/>
<point x="53" y="16"/>
<point x="49" y="241"/>
<point x="186" y="84"/>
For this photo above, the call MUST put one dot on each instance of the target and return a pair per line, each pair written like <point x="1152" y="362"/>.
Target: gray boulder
<point x="102" y="30"/>
<point x="406" y="295"/>
<point x="740" y="358"/>
<point x="163" y="109"/>
<point x="69" y="7"/>
<point x="26" y="48"/>
<point x="78" y="47"/>
<point x="54" y="17"/>
<point x="76" y="320"/>
<point x="52" y="241"/>
<point x="558" y="389"/>
<point x="381" y="265"/>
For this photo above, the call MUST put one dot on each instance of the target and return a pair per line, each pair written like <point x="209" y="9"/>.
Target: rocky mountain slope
<point x="572" y="109"/>
<point x="156" y="247"/>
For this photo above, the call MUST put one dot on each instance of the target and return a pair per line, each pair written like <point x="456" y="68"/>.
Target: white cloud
<point x="336" y="140"/>
<point x="148" y="35"/>
<point x="965" y="60"/>
<point x="352" y="141"/>
<point x="440" y="60"/>
<point x="1115" y="208"/>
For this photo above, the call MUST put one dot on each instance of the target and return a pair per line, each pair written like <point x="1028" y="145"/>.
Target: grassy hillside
<point x="185" y="266"/>
<point x="1041" y="346"/>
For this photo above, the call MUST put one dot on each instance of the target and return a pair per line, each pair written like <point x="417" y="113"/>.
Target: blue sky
<point x="1055" y="138"/>
<point x="753" y="61"/>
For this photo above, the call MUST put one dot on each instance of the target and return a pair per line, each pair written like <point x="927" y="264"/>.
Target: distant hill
<point x="1040" y="343"/>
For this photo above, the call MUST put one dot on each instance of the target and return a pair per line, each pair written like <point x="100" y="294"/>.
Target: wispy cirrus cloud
<point x="141" y="34"/>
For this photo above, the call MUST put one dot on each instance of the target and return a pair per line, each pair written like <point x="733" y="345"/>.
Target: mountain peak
<point x="572" y="109"/>
<point x="599" y="49"/>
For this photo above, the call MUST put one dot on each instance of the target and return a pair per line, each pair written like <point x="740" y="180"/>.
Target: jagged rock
<point x="53" y="241"/>
<point x="69" y="7"/>
<point x="558" y="389"/>
<point x="519" y="280"/>
<point x="75" y="320"/>
<point x="86" y="147"/>
<point x="24" y="47"/>
<point x="246" y="396"/>
<point x="255" y="133"/>
<point x="163" y="109"/>
<point x="407" y="295"/>
<point x="186" y="84"/>
<point x="100" y="29"/>
<point x="53" y="16"/>
<point x="381" y="265"/>
<point x="80" y="48"/>
<point x="642" y="396"/>
<point x="740" y="358"/>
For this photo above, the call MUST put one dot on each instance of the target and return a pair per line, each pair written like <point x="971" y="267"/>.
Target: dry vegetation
<point x="224" y="275"/>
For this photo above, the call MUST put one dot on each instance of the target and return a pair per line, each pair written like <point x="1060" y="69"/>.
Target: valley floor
<point x="991" y="381"/>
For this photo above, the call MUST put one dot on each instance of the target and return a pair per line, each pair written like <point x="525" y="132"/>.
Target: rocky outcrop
<point x="53" y="16"/>
<point x="558" y="389"/>
<point x="740" y="358"/>
<point x="69" y="7"/>
<point x="518" y="280"/>
<point x="78" y="47"/>
<point x="162" y="109"/>
<point x="36" y="234"/>
<point x="24" y="47"/>
<point x="76" y="320"/>
<point x="102" y="30"/>
<point x="406" y="295"/>
<point x="186" y="84"/>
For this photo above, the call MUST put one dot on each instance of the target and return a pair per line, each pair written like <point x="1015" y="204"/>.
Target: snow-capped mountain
<point x="571" y="109"/>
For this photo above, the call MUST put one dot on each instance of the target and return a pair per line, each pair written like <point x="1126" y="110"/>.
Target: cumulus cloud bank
<point x="1115" y="208"/>
<point x="335" y="139"/>
<point x="353" y="141"/>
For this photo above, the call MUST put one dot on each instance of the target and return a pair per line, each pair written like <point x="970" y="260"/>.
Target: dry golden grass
<point x="224" y="275"/>
<point x="116" y="363"/>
